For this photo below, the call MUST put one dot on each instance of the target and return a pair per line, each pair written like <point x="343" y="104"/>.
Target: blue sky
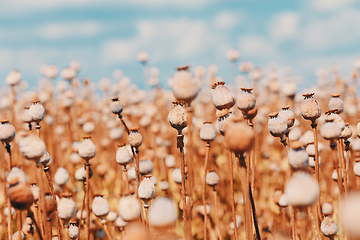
<point x="106" y="35"/>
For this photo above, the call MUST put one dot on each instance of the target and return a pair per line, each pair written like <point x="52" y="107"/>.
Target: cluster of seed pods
<point x="250" y="158"/>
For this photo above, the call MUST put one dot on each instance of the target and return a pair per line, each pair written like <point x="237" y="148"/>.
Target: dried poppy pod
<point x="302" y="190"/>
<point x="16" y="173"/>
<point x="328" y="227"/>
<point x="26" y="116"/>
<point x="288" y="115"/>
<point x="310" y="149"/>
<point x="346" y="133"/>
<point x="239" y="137"/>
<point x="277" y="125"/>
<point x="129" y="208"/>
<point x="225" y="119"/>
<point x="336" y="103"/>
<point x="223" y="97"/>
<point x="162" y="213"/>
<point x="61" y="176"/>
<point x="28" y="226"/>
<point x="100" y="207"/>
<point x="142" y="56"/>
<point x="111" y="217"/>
<point x="283" y="201"/>
<point x="178" y="116"/>
<point x="246" y="101"/>
<point x="232" y="55"/>
<point x="87" y="149"/>
<point x="207" y="132"/>
<point x="249" y="115"/>
<point x="115" y="106"/>
<point x="298" y="158"/>
<point x="310" y="109"/>
<point x="19" y="235"/>
<point x="135" y="138"/>
<point x="176" y="175"/>
<point x="44" y="160"/>
<point x="68" y="73"/>
<point x="73" y="231"/>
<point x="358" y="128"/>
<point x="7" y="131"/>
<point x="146" y="190"/>
<point x="294" y="134"/>
<point x="170" y="161"/>
<point x="32" y="147"/>
<point x="50" y="204"/>
<point x="37" y="112"/>
<point x="88" y="127"/>
<point x="80" y="174"/>
<point x="146" y="166"/>
<point x="212" y="179"/>
<point x="123" y="156"/>
<point x="51" y="71"/>
<point x="185" y="86"/>
<point x="13" y="78"/>
<point x="330" y="130"/>
<point x="327" y="209"/>
<point x="356" y="169"/>
<point x="35" y="191"/>
<point x="337" y="118"/>
<point x="20" y="194"/>
<point x="66" y="207"/>
<point x="289" y="88"/>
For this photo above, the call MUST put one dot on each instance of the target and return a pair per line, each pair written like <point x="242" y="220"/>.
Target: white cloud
<point x="284" y="25"/>
<point x="338" y="30"/>
<point x="227" y="19"/>
<point x="55" y="31"/>
<point x="329" y="5"/>
<point x="170" y="39"/>
<point x="256" y="46"/>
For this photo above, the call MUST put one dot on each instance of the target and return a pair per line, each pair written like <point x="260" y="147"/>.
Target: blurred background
<point x="107" y="35"/>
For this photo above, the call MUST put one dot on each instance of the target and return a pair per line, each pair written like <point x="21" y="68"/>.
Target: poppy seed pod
<point x="87" y="149"/>
<point x="327" y="209"/>
<point x="336" y="103"/>
<point x="142" y="56"/>
<point x="37" y="112"/>
<point x="162" y="212"/>
<point x="100" y="207"/>
<point x="225" y="119"/>
<point x="310" y="109"/>
<point x="337" y="118"/>
<point x="111" y="217"/>
<point x="329" y="227"/>
<point x="346" y="133"/>
<point x="176" y="174"/>
<point x="146" y="190"/>
<point x="6" y="211"/>
<point x="73" y="231"/>
<point x="129" y="208"/>
<point x="207" y="132"/>
<point x="178" y="116"/>
<point x="356" y="169"/>
<point x="32" y="147"/>
<point x="7" y="131"/>
<point x="212" y="179"/>
<point x="44" y="160"/>
<point x="88" y="127"/>
<point x="13" y="78"/>
<point x="298" y="157"/>
<point x="358" y="128"/>
<point x="66" y="207"/>
<point x="288" y="115"/>
<point x="185" y="86"/>
<point x="170" y="161"/>
<point x="302" y="190"/>
<point x="223" y="97"/>
<point x="80" y="174"/>
<point x="135" y="138"/>
<point x="75" y="158"/>
<point x="51" y="71"/>
<point x="239" y="137"/>
<point x="146" y="166"/>
<point x="123" y="156"/>
<point x="246" y="100"/>
<point x="61" y="176"/>
<point x="16" y="236"/>
<point x="310" y="149"/>
<point x="330" y="130"/>
<point x="120" y="223"/>
<point x="20" y="195"/>
<point x="289" y="88"/>
<point x="232" y="55"/>
<point x="283" y="201"/>
<point x="26" y="116"/>
<point x="277" y="125"/>
<point x="164" y="185"/>
<point x="35" y="191"/>
<point x="16" y="173"/>
<point x="115" y="106"/>
<point x="312" y="162"/>
<point x="294" y="134"/>
<point x="68" y="73"/>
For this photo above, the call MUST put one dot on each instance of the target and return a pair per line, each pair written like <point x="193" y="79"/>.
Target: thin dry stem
<point x="231" y="168"/>
<point x="204" y="187"/>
